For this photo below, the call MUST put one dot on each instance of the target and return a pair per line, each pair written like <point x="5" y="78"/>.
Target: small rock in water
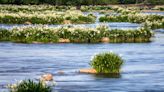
<point x="105" y="39"/>
<point x="35" y="42"/>
<point x="61" y="72"/>
<point x="92" y="71"/>
<point x="47" y="77"/>
<point x="28" y="23"/>
<point x="67" y="22"/>
<point x="61" y="40"/>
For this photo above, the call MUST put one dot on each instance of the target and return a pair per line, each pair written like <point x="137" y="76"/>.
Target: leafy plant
<point x="30" y="86"/>
<point x="107" y="63"/>
<point x="4" y="35"/>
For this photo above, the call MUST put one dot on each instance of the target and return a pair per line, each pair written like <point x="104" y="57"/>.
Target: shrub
<point x="107" y="63"/>
<point x="30" y="86"/>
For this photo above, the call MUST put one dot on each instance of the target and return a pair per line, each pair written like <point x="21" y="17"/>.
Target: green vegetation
<point x="30" y="86"/>
<point x="46" y="17"/>
<point x="33" y="8"/>
<point x="161" y="8"/>
<point x="96" y="8"/>
<point x="30" y="35"/>
<point x="43" y="14"/>
<point x="107" y="63"/>
<point x="126" y="15"/>
<point x="74" y="34"/>
<point x="81" y="2"/>
<point x="4" y="35"/>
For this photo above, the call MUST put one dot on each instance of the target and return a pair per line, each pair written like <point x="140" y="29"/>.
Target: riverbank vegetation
<point x="43" y="34"/>
<point x="82" y="2"/>
<point x="34" y="8"/>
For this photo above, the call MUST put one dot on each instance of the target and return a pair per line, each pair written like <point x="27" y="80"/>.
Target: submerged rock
<point x="60" y="72"/>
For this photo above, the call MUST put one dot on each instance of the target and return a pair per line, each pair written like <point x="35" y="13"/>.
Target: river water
<point x="143" y="69"/>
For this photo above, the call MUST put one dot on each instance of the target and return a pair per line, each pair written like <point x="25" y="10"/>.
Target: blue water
<point x="154" y="13"/>
<point x="143" y="69"/>
<point x="112" y="25"/>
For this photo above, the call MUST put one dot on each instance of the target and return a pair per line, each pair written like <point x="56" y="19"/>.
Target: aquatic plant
<point x="4" y="35"/>
<point x="33" y="34"/>
<point x="125" y="10"/>
<point x="45" y="34"/>
<point x="46" y="17"/>
<point x="134" y="18"/>
<point x="125" y="15"/>
<point x="96" y="8"/>
<point x="30" y="86"/>
<point x="154" y="24"/>
<point x="161" y="8"/>
<point x="107" y="62"/>
<point x="33" y="8"/>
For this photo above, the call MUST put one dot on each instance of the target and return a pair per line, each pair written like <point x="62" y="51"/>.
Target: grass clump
<point x="107" y="63"/>
<point x="4" y="35"/>
<point x="30" y="86"/>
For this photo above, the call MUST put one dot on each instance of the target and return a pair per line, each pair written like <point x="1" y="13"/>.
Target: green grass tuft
<point x="107" y="63"/>
<point x="31" y="86"/>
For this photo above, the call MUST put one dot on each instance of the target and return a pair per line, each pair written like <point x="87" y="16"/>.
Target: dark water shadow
<point x="111" y="75"/>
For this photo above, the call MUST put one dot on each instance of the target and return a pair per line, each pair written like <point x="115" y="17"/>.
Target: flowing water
<point x="143" y="69"/>
<point x="154" y="13"/>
